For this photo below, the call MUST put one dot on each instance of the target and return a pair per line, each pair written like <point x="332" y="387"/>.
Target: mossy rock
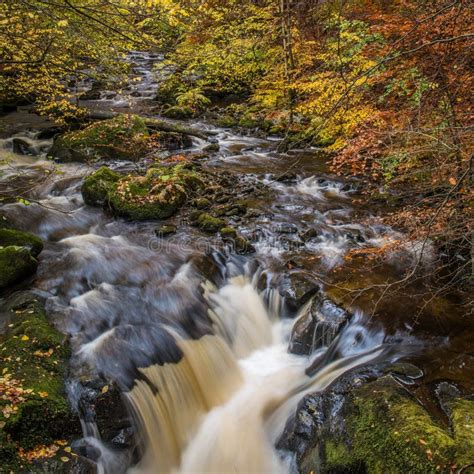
<point x="16" y="263"/>
<point x="178" y="112"/>
<point x="209" y="223"/>
<point x="34" y="411"/>
<point x="228" y="233"/>
<point x="462" y="419"/>
<point x="157" y="195"/>
<point x="125" y="137"/>
<point x="18" y="238"/>
<point x="387" y="431"/>
<point x="97" y="186"/>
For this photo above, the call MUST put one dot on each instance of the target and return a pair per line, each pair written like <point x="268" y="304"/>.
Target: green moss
<point x="179" y="112"/>
<point x="16" y="263"/>
<point x="227" y="121"/>
<point x="336" y="455"/>
<point x="21" y="239"/>
<point x="392" y="433"/>
<point x="34" y="410"/>
<point x="97" y="186"/>
<point x="202" y="203"/>
<point x="208" y="223"/>
<point x="462" y="418"/>
<point x="157" y="195"/>
<point x="124" y="137"/>
<point x="228" y="232"/>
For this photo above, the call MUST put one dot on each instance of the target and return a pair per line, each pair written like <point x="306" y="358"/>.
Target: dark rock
<point x="243" y="246"/>
<point x="23" y="147"/>
<point x="16" y="263"/>
<point x="48" y="133"/>
<point x="308" y="234"/>
<point x="202" y="203"/>
<point x="317" y="326"/>
<point x="212" y="147"/>
<point x="297" y="288"/>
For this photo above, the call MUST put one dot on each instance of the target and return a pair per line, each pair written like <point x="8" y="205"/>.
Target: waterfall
<point x="221" y="408"/>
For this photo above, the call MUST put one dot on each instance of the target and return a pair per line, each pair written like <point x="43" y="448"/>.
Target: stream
<point x="194" y="334"/>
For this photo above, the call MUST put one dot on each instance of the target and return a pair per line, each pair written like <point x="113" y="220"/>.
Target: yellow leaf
<point x="105" y="389"/>
<point x="64" y="459"/>
<point x="67" y="449"/>
<point x="25" y="338"/>
<point x="452" y="181"/>
<point x="43" y="394"/>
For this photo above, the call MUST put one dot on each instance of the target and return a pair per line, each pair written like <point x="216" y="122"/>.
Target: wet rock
<point x="33" y="358"/>
<point x="48" y="133"/>
<point x="21" y="239"/>
<point x="405" y="372"/>
<point x="308" y="234"/>
<point x="297" y="288"/>
<point x="165" y="229"/>
<point x="243" y="246"/>
<point x="23" y="147"/>
<point x="92" y="94"/>
<point x="212" y="147"/>
<point x="445" y="393"/>
<point x="317" y="326"/>
<point x="286" y="228"/>
<point x="97" y="186"/>
<point x="287" y="178"/>
<point x="16" y="264"/>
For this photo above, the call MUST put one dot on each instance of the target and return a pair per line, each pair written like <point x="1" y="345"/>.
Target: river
<point x="194" y="334"/>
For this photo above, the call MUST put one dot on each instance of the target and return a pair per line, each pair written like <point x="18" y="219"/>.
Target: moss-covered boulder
<point x="156" y="195"/>
<point x="35" y="419"/>
<point x="125" y="137"/>
<point x="389" y="431"/>
<point x="18" y="238"/>
<point x="16" y="263"/>
<point x="209" y="223"/>
<point x="96" y="186"/>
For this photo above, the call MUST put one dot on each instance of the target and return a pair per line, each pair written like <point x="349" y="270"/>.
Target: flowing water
<point x="195" y="336"/>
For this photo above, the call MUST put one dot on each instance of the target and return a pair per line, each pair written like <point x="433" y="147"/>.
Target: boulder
<point x="317" y="326"/>
<point x="19" y="238"/>
<point x="16" y="263"/>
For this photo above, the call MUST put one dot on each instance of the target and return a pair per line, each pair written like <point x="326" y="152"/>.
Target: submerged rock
<point x="34" y="410"/>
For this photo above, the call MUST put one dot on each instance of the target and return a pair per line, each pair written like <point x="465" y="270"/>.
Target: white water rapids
<point x="222" y="407"/>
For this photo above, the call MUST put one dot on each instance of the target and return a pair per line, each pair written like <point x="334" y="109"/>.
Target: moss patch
<point x="34" y="411"/>
<point x="387" y="431"/>
<point x="462" y="418"/>
<point x="21" y="239"/>
<point x="96" y="187"/>
<point x="178" y="112"/>
<point x="124" y="137"/>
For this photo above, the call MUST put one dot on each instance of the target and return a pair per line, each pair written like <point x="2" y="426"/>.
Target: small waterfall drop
<point x="221" y="408"/>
